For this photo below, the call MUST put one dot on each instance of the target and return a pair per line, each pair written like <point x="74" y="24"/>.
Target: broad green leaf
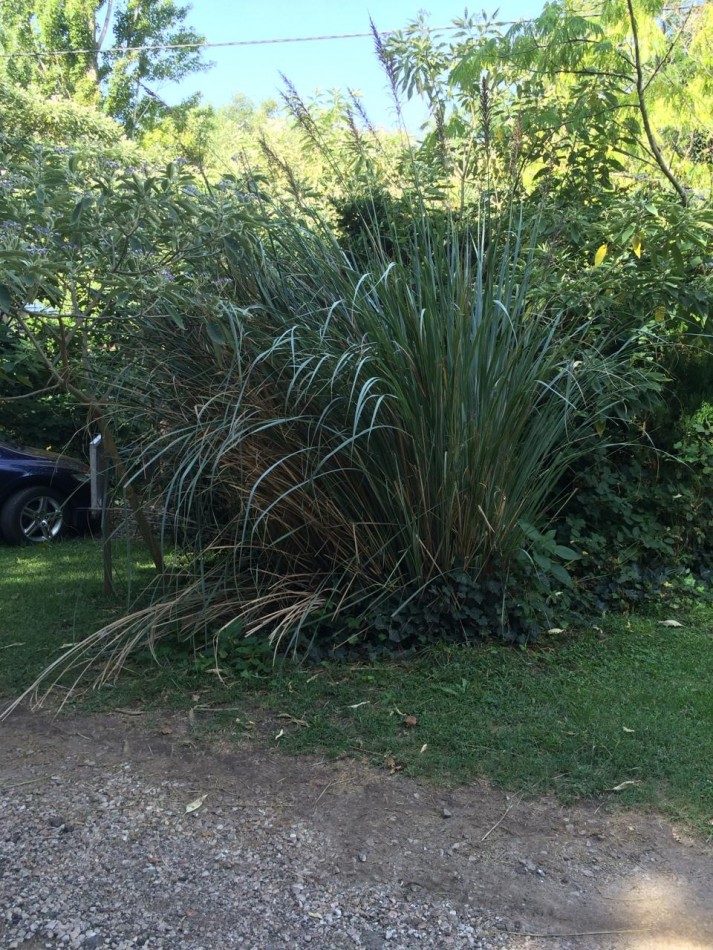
<point x="215" y="332"/>
<point x="530" y="531"/>
<point x="601" y="254"/>
<point x="627" y="233"/>
<point x="5" y="299"/>
<point x="678" y="261"/>
<point x="560" y="574"/>
<point x="79" y="210"/>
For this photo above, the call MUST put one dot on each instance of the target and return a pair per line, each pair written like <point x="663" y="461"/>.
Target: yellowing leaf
<point x="601" y="254"/>
<point x="636" y="244"/>
<point x="195" y="804"/>
<point x="660" y="314"/>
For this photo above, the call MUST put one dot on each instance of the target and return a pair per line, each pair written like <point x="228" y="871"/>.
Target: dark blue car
<point x="43" y="495"/>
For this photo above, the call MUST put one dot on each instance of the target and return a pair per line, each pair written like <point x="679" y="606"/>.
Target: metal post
<point x="99" y="484"/>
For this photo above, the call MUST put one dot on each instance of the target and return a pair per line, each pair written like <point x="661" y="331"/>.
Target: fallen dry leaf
<point x="623" y="785"/>
<point x="195" y="804"/>
<point x="410" y="721"/>
<point x="297" y="722"/>
<point x="670" y="623"/>
<point x="626" y="729"/>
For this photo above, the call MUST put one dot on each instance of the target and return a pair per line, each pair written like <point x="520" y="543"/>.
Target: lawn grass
<point x="628" y="701"/>
<point x="577" y="716"/>
<point x="52" y="595"/>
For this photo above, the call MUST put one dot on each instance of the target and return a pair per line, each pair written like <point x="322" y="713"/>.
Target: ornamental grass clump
<point x="338" y="441"/>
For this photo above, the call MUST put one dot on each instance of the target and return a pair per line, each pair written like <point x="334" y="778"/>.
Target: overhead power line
<point x="123" y="50"/>
<point x="141" y="49"/>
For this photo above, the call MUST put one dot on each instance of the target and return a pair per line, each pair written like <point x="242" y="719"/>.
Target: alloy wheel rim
<point x="41" y="519"/>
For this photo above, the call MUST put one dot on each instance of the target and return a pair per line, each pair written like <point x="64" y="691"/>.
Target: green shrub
<point x="369" y="453"/>
<point x="642" y="518"/>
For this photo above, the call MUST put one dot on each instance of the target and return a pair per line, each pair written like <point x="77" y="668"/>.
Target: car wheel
<point x="34" y="514"/>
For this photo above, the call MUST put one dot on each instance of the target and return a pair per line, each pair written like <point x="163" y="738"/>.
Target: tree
<point x="112" y="66"/>
<point x="576" y="94"/>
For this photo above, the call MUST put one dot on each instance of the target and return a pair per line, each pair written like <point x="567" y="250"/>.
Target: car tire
<point x="35" y="515"/>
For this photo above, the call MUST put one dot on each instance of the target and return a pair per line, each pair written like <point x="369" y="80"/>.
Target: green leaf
<point x="560" y="574"/>
<point x="215" y="332"/>
<point x="678" y="261"/>
<point x="79" y="210"/>
<point x="627" y="233"/>
<point x="5" y="299"/>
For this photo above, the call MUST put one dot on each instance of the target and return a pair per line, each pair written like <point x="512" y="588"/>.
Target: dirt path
<point x="523" y="868"/>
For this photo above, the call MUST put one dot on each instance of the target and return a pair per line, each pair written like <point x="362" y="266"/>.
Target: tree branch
<point x="672" y="45"/>
<point x="105" y="26"/>
<point x="640" y="90"/>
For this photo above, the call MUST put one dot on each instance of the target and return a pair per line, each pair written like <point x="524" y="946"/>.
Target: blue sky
<point x="254" y="70"/>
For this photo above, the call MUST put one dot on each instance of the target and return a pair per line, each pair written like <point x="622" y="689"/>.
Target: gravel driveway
<point x="98" y="849"/>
